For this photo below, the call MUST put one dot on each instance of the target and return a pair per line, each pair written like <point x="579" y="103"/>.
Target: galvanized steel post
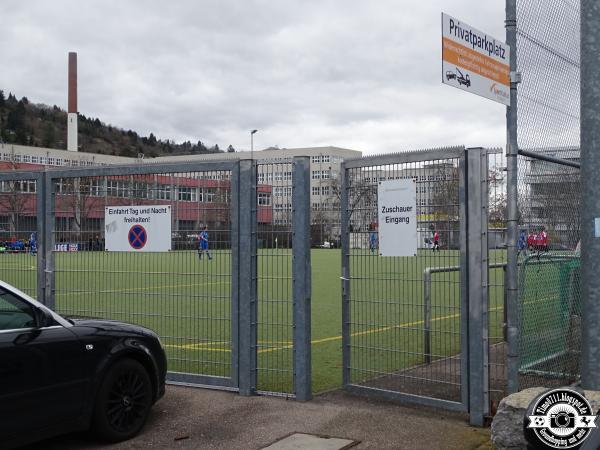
<point x="477" y="284"/>
<point x="302" y="278"/>
<point x="511" y="287"/>
<point x="590" y="191"/>
<point x="48" y="241"/>
<point x="40" y="185"/>
<point x="247" y="339"/>
<point x="345" y="238"/>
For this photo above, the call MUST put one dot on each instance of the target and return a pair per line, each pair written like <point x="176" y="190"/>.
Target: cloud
<point x="363" y="75"/>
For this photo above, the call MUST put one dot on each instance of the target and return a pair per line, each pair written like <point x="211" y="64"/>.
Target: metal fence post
<point x="477" y="285"/>
<point x="302" y="278"/>
<point x="427" y="315"/>
<point x="235" y="272"/>
<point x="464" y="280"/>
<point x="247" y="339"/>
<point x="511" y="287"/>
<point x="345" y="238"/>
<point x="48" y="241"/>
<point x="590" y="190"/>
<point x="41" y="233"/>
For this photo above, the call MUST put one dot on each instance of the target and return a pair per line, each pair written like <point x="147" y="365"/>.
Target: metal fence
<point x="213" y="319"/>
<point x="406" y="319"/>
<point x="547" y="134"/>
<point x="19" y="212"/>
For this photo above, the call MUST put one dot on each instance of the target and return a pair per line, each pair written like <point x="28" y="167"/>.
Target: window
<point x="315" y="206"/>
<point x="316" y="174"/>
<point x="326" y="174"/>
<point x="208" y="195"/>
<point x="325" y="159"/>
<point x="269" y="177"/>
<point x="163" y="192"/>
<point x="140" y="190"/>
<point x="315" y="159"/>
<point x="278" y="176"/>
<point x="51" y="161"/>
<point x="43" y="160"/>
<point x="264" y="199"/>
<point x="324" y="190"/>
<point x="17" y="158"/>
<point x="287" y="176"/>
<point x="187" y="194"/>
<point x="287" y="191"/>
<point x="34" y="159"/>
<point x="117" y="188"/>
<point x="15" y="314"/>
<point x="96" y="188"/>
<point x="26" y="158"/>
<point x="315" y="190"/>
<point x="277" y="191"/>
<point x="261" y="177"/>
<point x="59" y="161"/>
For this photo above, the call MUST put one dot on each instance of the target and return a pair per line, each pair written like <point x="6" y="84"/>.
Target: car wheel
<point x="123" y="401"/>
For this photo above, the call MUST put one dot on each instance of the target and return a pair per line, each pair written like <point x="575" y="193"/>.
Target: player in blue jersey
<point x="203" y="243"/>
<point x="33" y="244"/>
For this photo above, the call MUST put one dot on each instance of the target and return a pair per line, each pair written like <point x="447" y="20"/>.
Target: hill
<point x="26" y="123"/>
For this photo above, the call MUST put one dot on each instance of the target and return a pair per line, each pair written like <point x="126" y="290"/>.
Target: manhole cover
<point x="301" y="441"/>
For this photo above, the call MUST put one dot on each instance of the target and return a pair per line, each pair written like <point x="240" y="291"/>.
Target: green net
<point x="550" y="311"/>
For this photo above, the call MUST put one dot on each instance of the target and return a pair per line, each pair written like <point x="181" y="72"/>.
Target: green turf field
<point x="187" y="301"/>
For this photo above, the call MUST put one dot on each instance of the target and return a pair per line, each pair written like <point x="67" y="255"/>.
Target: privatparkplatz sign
<point x="475" y="62"/>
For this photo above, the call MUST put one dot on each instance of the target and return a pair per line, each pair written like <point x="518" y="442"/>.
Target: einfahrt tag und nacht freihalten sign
<point x="144" y="228"/>
<point x="397" y="214"/>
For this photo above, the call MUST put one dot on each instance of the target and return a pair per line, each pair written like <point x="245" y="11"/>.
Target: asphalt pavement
<point x="191" y="418"/>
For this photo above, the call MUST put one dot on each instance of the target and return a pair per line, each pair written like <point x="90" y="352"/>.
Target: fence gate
<point x="224" y="321"/>
<point x="415" y="328"/>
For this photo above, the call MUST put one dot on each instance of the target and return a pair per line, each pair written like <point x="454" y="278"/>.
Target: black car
<point x="59" y="375"/>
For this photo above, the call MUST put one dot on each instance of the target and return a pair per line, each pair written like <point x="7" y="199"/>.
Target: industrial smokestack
<point x="72" y="104"/>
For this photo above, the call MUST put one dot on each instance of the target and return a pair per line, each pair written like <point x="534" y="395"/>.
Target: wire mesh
<point x="548" y="56"/>
<point x="183" y="294"/>
<point x="274" y="279"/>
<point x="550" y="320"/>
<point x="497" y="209"/>
<point x="18" y="234"/>
<point x="392" y="345"/>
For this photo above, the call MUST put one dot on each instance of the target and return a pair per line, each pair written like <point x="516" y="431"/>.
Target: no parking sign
<point x="138" y="228"/>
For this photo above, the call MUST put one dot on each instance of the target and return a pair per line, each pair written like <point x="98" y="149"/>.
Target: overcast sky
<point x="361" y="74"/>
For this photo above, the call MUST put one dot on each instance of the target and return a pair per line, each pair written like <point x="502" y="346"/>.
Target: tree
<point x="2" y="99"/>
<point x="13" y="200"/>
<point x="230" y="149"/>
<point x="49" y="139"/>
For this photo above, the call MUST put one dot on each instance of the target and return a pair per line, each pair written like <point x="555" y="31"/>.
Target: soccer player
<point x="373" y="241"/>
<point x="436" y="241"/>
<point x="203" y="243"/>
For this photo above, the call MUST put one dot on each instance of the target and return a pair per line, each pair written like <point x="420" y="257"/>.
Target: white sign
<point x="475" y="62"/>
<point x="397" y="206"/>
<point x="145" y="228"/>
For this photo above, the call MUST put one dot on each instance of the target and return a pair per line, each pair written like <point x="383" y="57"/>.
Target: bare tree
<point x="14" y="196"/>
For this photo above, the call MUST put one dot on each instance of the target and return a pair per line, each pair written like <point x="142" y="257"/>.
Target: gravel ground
<point x="189" y="418"/>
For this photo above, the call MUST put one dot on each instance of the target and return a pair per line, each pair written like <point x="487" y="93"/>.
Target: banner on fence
<point x="397" y="217"/>
<point x="475" y="62"/>
<point x="138" y="228"/>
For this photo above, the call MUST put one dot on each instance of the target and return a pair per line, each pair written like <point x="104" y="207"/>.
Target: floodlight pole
<point x="590" y="193"/>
